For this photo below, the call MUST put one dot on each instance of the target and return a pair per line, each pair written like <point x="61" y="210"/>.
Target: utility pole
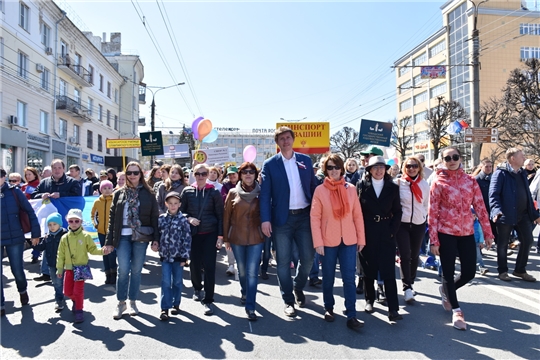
<point x="475" y="147"/>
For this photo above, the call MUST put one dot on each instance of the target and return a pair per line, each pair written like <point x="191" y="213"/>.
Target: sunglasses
<point x="332" y="167"/>
<point x="248" y="171"/>
<point x="136" y="173"/>
<point x="13" y="181"/>
<point x="203" y="174"/>
<point x="449" y="158"/>
<point x="74" y="221"/>
<point x="411" y="166"/>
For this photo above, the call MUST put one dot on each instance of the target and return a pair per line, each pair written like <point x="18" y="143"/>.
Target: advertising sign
<point x="375" y="132"/>
<point x="433" y="72"/>
<point x="210" y="156"/>
<point x="174" y="151"/>
<point x="151" y="143"/>
<point x="123" y="143"/>
<point x="97" y="159"/>
<point x="309" y="137"/>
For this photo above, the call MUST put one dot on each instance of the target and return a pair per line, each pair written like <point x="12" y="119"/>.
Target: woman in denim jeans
<point x="133" y="206"/>
<point x="242" y="233"/>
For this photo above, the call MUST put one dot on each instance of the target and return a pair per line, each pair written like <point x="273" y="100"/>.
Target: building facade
<point x="508" y="32"/>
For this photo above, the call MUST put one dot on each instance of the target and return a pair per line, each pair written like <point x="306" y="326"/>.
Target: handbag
<point x="80" y="272"/>
<point x="195" y="229"/>
<point x="23" y="216"/>
<point x="143" y="234"/>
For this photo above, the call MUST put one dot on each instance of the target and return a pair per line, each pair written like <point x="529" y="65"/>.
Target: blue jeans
<point x="297" y="230"/>
<point x="58" y="284"/>
<point x="314" y="273"/>
<point x="171" y="284"/>
<point x="479" y="260"/>
<point x="347" y="266"/>
<point x="109" y="261"/>
<point x="15" y="256"/>
<point x="267" y="254"/>
<point x="130" y="263"/>
<point x="248" y="258"/>
<point x="45" y="266"/>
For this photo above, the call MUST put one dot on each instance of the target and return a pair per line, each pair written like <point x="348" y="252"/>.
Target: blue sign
<point x="174" y="151"/>
<point x="375" y="132"/>
<point x="97" y="159"/>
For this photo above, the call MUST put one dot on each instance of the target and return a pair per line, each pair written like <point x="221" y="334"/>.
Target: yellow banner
<point x="123" y="143"/>
<point x="310" y="137"/>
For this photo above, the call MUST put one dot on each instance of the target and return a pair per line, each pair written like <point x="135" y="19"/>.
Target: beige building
<point x="509" y="33"/>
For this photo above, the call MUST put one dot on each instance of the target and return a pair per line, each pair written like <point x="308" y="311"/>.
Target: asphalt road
<point x="503" y="320"/>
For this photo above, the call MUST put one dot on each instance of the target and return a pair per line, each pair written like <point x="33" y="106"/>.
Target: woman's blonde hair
<point x="418" y="162"/>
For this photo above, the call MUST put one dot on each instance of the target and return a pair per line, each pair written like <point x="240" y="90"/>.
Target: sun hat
<point x="74" y="213"/>
<point x="376" y="160"/>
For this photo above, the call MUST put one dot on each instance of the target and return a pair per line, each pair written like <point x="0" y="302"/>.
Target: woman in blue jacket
<point x="11" y="201"/>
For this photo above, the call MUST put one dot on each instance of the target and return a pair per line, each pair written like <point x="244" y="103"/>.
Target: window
<point x="90" y="106"/>
<point x="77" y="95"/>
<point x="404" y="69"/>
<point x="1" y="51"/>
<point x="437" y="48"/>
<point x="404" y="105"/>
<point x="24" y="15"/>
<point x="420" y="117"/>
<point x="422" y="136"/>
<point x="45" y="35"/>
<point x="76" y="134"/>
<point x="116" y="96"/>
<point x="89" y="139"/>
<point x="405" y="86"/>
<point x="62" y="129"/>
<point x="115" y="122"/>
<point x="420" y="59"/>
<point x="100" y="82"/>
<point x="63" y="88"/>
<point x="438" y="90"/>
<point x="420" y="98"/>
<point x="78" y="63"/>
<point x="108" y="89"/>
<point x="23" y="65"/>
<point x="529" y="29"/>
<point x="99" y="142"/>
<point x="63" y="48"/>
<point x="91" y="74"/>
<point x="108" y="118"/>
<point x="100" y="113"/>
<point x="45" y="79"/>
<point x="417" y="80"/>
<point x="528" y="52"/>
<point x="22" y="111"/>
<point x="44" y="122"/>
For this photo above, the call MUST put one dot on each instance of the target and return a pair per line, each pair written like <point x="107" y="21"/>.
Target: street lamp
<point x="293" y="120"/>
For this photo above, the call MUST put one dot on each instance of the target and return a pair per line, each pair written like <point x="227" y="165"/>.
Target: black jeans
<point x="465" y="248"/>
<point x="524" y="229"/>
<point x="390" y="289"/>
<point x="409" y="240"/>
<point x="203" y="255"/>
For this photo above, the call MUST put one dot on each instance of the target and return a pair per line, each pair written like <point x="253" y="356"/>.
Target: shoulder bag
<point x="143" y="234"/>
<point x="23" y="215"/>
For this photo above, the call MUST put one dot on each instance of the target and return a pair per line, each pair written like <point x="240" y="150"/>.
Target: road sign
<point x="151" y="143"/>
<point x="122" y="143"/>
<point x="481" y="135"/>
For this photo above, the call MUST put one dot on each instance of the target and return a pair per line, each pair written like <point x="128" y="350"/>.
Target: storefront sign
<point x="97" y="159"/>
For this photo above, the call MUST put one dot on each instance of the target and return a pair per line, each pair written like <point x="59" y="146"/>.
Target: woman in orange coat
<point x="338" y="233"/>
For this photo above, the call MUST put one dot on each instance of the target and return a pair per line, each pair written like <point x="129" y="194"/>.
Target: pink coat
<point x="328" y="231"/>
<point x="450" y="199"/>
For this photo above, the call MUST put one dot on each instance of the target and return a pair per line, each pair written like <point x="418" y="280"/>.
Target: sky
<point x="248" y="64"/>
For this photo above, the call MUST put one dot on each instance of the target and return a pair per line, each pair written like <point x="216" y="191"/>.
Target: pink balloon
<point x="194" y="126"/>
<point x="250" y="153"/>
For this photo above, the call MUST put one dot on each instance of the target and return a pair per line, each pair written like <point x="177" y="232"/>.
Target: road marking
<point x="521" y="299"/>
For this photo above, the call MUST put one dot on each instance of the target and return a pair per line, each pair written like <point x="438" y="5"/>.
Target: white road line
<point x="510" y="294"/>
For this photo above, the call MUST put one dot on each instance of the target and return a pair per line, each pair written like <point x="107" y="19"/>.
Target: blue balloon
<point x="211" y="137"/>
<point x="390" y="162"/>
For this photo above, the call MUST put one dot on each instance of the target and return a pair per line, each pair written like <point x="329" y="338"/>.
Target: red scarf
<point x="338" y="196"/>
<point x="415" y="188"/>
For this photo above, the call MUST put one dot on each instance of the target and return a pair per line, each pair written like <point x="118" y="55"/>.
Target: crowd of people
<point x="363" y="215"/>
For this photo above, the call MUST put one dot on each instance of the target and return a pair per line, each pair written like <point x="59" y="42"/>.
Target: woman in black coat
<point x="381" y="207"/>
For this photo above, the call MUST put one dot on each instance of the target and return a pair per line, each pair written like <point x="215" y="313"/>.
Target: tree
<point x="400" y="140"/>
<point x="439" y="117"/>
<point x="494" y="114"/>
<point x="345" y="142"/>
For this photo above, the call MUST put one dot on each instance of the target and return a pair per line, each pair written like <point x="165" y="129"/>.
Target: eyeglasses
<point x="379" y="167"/>
<point x="332" y="167"/>
<point x="411" y="166"/>
<point x="248" y="171"/>
<point x="136" y="173"/>
<point x="203" y="174"/>
<point x="449" y="158"/>
<point x="72" y="221"/>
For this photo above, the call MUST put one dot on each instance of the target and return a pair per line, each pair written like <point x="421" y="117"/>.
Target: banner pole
<point x="123" y="159"/>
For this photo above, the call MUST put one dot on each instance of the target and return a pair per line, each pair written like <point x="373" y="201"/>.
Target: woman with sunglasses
<point x="203" y="206"/>
<point x="133" y="206"/>
<point x="381" y="208"/>
<point x="451" y="227"/>
<point x="337" y="227"/>
<point x="242" y="233"/>
<point x="175" y="182"/>
<point x="414" y="197"/>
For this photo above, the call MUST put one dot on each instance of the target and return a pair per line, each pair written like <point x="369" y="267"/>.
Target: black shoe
<point x="264" y="276"/>
<point x="34" y="261"/>
<point x="43" y="277"/>
<point x="369" y="308"/>
<point x="208" y="309"/>
<point x="243" y="300"/>
<point x="394" y="315"/>
<point x="251" y="315"/>
<point x="197" y="296"/>
<point x="3" y="312"/>
<point x="24" y="298"/>
<point x="354" y="324"/>
<point x="360" y="286"/>
<point x="300" y="298"/>
<point x="315" y="282"/>
<point x="175" y="310"/>
<point x="329" y="315"/>
<point x="164" y="316"/>
<point x="290" y="311"/>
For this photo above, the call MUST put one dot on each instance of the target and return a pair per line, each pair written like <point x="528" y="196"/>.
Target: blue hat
<point x="56" y="218"/>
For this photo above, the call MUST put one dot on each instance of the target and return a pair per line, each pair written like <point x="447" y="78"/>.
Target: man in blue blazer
<point x="287" y="189"/>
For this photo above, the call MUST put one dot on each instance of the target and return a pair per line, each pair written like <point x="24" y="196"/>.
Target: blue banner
<point x="375" y="132"/>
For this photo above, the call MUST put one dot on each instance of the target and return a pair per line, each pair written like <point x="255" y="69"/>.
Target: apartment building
<point x="509" y="32"/>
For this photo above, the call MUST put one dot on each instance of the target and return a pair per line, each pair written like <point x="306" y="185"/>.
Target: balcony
<point x="142" y="93"/>
<point x="142" y="121"/>
<point x="77" y="72"/>
<point x="72" y="107"/>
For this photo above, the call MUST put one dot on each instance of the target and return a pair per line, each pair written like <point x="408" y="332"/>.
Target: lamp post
<point x="153" y="107"/>
<point x="475" y="148"/>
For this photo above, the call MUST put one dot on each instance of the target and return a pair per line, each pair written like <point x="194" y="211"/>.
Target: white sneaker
<point x="409" y="296"/>
<point x="230" y="270"/>
<point x="120" y="308"/>
<point x="133" y="308"/>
